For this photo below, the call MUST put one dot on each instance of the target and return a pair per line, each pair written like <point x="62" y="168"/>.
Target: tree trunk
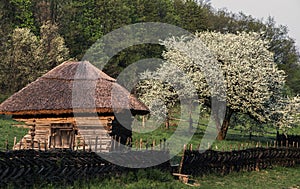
<point x="167" y="121"/>
<point x="225" y="125"/>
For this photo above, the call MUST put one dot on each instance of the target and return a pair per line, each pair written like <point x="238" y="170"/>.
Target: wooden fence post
<point x="115" y="142"/>
<point x="15" y="141"/>
<point x="62" y="141"/>
<point x="45" y="144"/>
<point x="160" y="144"/>
<point x="130" y="142"/>
<point x="141" y="143"/>
<point x="76" y="144"/>
<point x="83" y="144"/>
<point x="119" y="143"/>
<point x="143" y="121"/>
<point x="20" y="144"/>
<point x="182" y="159"/>
<point x="96" y="144"/>
<point x="25" y="144"/>
<point x="136" y="144"/>
<point x="39" y="145"/>
<point x="90" y="144"/>
<point x="153" y="144"/>
<point x="100" y="143"/>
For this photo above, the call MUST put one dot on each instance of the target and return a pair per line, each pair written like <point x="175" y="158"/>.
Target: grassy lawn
<point x="235" y="137"/>
<point x="8" y="132"/>
<point x="278" y="177"/>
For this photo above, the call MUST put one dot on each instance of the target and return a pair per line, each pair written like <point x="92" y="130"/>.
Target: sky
<point x="285" y="12"/>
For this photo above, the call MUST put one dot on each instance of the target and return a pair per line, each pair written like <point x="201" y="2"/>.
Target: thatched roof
<point x="72" y="87"/>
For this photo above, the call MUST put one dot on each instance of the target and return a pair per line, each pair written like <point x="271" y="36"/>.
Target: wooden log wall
<point x="94" y="133"/>
<point x="79" y="133"/>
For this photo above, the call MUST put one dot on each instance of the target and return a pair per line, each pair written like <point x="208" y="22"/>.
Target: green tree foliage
<point x="28" y="57"/>
<point x="52" y="46"/>
<point x="285" y="52"/>
<point x="193" y="15"/>
<point x="135" y="12"/>
<point x="81" y="23"/>
<point x="152" y="11"/>
<point x="20" y="64"/>
<point x="23" y="13"/>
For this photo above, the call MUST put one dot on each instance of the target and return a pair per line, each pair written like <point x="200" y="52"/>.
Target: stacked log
<point x="80" y="133"/>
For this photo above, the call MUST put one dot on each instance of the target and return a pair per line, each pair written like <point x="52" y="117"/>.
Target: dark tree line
<point x="74" y="25"/>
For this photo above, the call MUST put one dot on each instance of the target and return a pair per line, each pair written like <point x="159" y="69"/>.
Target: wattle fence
<point x="201" y="163"/>
<point x="287" y="140"/>
<point x="30" y="167"/>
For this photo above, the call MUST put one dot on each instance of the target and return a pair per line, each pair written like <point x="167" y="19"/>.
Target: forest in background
<point x="37" y="35"/>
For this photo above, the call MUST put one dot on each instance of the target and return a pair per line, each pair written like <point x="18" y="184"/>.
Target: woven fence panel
<point x="201" y="163"/>
<point x="29" y="167"/>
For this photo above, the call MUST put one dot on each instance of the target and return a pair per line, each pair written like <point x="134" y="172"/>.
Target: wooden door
<point x="62" y="135"/>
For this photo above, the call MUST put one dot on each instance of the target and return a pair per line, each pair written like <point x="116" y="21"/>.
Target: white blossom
<point x="253" y="83"/>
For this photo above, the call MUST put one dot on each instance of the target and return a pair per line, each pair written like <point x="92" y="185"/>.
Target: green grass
<point x="132" y="180"/>
<point x="278" y="177"/>
<point x="234" y="140"/>
<point x="8" y="132"/>
<point x="294" y="131"/>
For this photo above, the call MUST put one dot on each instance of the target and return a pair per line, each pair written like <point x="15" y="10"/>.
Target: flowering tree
<point x="286" y="113"/>
<point x="160" y="91"/>
<point x="252" y="81"/>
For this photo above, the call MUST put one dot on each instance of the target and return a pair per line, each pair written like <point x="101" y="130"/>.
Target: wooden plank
<point x="93" y="132"/>
<point x="183" y="178"/>
<point x="90" y="127"/>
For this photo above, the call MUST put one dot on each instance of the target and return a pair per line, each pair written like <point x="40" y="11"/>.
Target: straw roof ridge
<point x="71" y="70"/>
<point x="57" y="93"/>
